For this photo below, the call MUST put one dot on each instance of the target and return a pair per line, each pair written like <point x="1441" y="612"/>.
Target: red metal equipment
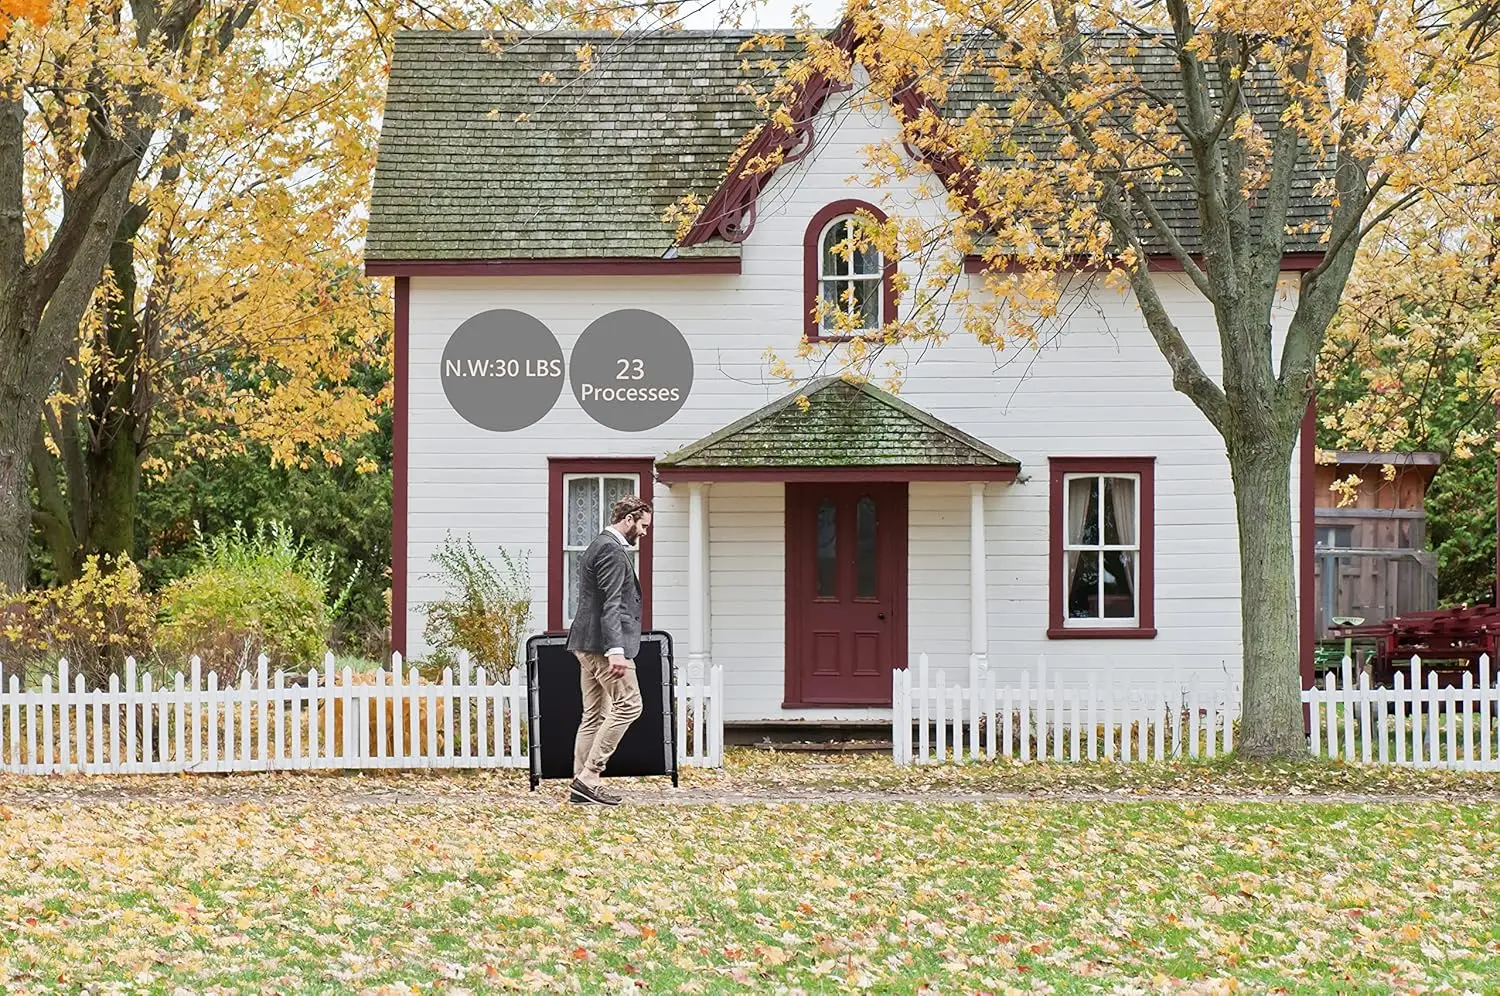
<point x="1449" y="641"/>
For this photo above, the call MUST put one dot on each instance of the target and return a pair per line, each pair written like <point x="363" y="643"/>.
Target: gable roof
<point x="601" y="155"/>
<point x="845" y="425"/>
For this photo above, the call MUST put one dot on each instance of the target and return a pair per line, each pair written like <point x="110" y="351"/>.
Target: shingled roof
<point x="485" y="156"/>
<point x="602" y="156"/>
<point x="845" y="425"/>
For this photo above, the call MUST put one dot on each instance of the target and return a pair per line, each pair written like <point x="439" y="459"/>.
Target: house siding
<point x="1100" y="389"/>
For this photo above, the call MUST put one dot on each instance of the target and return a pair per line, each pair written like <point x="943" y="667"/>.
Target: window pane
<point x="1083" y="510"/>
<point x="583" y="511"/>
<point x="1083" y="584"/>
<point x="827" y="551"/>
<point x="1119" y="584"/>
<point x="832" y="301"/>
<point x="867" y="303"/>
<point x="1119" y="511"/>
<point x="867" y="260"/>
<point x="864" y="542"/>
<point x="570" y="584"/>
<point x="834" y="261"/>
<point x="615" y="488"/>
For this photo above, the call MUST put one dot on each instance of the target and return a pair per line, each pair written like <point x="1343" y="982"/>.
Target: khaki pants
<point x="610" y="705"/>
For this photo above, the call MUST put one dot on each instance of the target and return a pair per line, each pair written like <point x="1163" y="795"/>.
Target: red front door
<point x="845" y="591"/>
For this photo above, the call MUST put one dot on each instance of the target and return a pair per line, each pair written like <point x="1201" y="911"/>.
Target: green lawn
<point x="298" y="895"/>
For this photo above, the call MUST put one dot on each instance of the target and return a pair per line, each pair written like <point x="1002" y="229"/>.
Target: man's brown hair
<point x="626" y="507"/>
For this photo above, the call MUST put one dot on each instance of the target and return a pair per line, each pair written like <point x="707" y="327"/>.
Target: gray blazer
<point x="609" y="600"/>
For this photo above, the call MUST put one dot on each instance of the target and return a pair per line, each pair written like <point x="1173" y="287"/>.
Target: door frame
<point x="794" y="608"/>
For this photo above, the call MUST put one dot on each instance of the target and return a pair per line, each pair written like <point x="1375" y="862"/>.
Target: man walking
<point x="605" y="637"/>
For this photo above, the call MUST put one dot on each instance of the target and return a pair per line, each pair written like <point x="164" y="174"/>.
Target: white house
<point x="1060" y="499"/>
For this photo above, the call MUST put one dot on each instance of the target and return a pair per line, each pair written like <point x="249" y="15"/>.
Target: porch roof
<point x="848" y="431"/>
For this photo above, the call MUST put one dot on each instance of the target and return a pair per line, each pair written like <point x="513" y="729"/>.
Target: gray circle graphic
<point x="631" y="370"/>
<point x="502" y="370"/>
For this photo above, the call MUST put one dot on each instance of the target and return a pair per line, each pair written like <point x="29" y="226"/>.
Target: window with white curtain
<point x="587" y="500"/>
<point x="1102" y="550"/>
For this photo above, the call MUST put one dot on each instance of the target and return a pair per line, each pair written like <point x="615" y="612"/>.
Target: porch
<point x="811" y="589"/>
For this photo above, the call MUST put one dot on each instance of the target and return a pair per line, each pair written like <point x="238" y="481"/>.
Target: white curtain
<point x="1122" y="500"/>
<point x="1080" y="489"/>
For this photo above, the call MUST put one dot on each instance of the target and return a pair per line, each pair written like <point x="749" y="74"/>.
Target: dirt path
<point x="175" y="792"/>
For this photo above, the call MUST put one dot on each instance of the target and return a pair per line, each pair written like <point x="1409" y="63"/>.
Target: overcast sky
<point x="766" y="14"/>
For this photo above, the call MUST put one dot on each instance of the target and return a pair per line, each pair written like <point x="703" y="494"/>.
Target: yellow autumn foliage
<point x="95" y="622"/>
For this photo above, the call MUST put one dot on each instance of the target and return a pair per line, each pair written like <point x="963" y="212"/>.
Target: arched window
<point x="845" y="274"/>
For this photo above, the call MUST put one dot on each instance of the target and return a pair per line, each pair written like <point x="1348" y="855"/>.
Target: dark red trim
<point x="1099" y="633"/>
<point x="1307" y="515"/>
<point x="812" y="254"/>
<point x="1292" y="262"/>
<point x="795" y="587"/>
<point x="557" y="467"/>
<point x="562" y="266"/>
<point x="729" y="213"/>
<point x="1497" y="510"/>
<point x="673" y="475"/>
<point x="925" y="145"/>
<point x="401" y="348"/>
<point x="1146" y="468"/>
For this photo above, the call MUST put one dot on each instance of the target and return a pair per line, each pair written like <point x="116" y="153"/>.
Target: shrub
<point x="250" y="595"/>
<point x="95" y="621"/>
<point x="487" y="611"/>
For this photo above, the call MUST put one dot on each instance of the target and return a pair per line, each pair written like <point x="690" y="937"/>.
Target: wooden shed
<point x="1374" y="548"/>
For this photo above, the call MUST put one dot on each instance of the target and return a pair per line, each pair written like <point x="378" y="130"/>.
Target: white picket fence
<point x="934" y="721"/>
<point x="339" y="720"/>
<point x="1412" y="723"/>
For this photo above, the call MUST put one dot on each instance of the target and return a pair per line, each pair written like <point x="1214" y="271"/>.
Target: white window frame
<point x="1101" y="621"/>
<point x="633" y="553"/>
<point x="847" y="280"/>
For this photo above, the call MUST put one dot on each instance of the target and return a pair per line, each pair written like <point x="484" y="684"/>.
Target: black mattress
<point x="649" y="747"/>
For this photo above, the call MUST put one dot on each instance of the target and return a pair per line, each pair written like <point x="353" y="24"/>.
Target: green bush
<point x="342" y="508"/>
<point x="486" y="612"/>
<point x="250" y="595"/>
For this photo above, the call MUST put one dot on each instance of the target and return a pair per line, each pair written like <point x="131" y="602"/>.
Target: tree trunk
<point x="52" y="514"/>
<point x="1271" y="702"/>
<point x="18" y="419"/>
<point x="113" y="453"/>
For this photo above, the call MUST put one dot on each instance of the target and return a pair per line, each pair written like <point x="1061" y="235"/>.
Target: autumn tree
<point x="233" y="306"/>
<point x="184" y="192"/>
<point x="1274" y="123"/>
<point x="83" y="89"/>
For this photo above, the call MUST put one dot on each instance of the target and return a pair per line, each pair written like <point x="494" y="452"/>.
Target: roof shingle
<point x="845" y="425"/>
<point x="483" y="156"/>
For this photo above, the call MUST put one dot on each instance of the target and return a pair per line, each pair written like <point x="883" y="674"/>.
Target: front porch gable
<point x="847" y="431"/>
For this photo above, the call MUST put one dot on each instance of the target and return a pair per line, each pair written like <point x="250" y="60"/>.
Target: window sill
<point x="1099" y="633"/>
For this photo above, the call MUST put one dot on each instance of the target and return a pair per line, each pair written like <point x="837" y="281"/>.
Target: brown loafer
<point x="581" y="793"/>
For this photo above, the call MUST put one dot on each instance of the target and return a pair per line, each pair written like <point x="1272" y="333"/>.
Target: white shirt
<point x="626" y="544"/>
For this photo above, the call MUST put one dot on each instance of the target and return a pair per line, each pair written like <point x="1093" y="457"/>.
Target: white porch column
<point x="979" y="638"/>
<point x="697" y="582"/>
